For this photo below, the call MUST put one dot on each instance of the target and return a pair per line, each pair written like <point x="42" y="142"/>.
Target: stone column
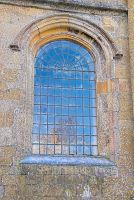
<point x="131" y="43"/>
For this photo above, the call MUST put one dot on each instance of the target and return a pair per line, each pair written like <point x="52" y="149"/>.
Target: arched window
<point x="64" y="116"/>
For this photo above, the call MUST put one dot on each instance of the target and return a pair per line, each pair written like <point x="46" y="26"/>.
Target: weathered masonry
<point x="66" y="99"/>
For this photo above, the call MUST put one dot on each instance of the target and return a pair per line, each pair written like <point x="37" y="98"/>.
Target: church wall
<point x="42" y="182"/>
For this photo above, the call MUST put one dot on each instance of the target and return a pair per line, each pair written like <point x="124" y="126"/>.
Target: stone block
<point x="34" y="179"/>
<point x="9" y="180"/>
<point x="10" y="94"/>
<point x="7" y="137"/>
<point x="126" y="104"/>
<point x="4" y="170"/>
<point x="2" y="85"/>
<point x="11" y="191"/>
<point x="126" y="162"/>
<point x="131" y="5"/>
<point x="6" y="119"/>
<point x="102" y="87"/>
<point x="9" y="75"/>
<point x="5" y="161"/>
<point x="109" y="24"/>
<point x="126" y="125"/>
<point x="1" y="191"/>
<point x="126" y="143"/>
<point x="7" y="151"/>
<point x="126" y="115"/>
<point x="124" y="85"/>
<point x="122" y="72"/>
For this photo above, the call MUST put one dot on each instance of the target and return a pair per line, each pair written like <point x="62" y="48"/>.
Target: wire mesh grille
<point x="64" y="115"/>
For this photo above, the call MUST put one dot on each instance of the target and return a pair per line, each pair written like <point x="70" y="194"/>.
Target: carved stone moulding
<point x="64" y="26"/>
<point x="87" y="34"/>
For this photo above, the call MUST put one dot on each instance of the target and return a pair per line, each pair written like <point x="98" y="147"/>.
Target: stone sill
<point x="68" y="160"/>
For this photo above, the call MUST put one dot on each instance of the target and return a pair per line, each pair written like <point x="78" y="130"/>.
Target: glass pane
<point x="94" y="150"/>
<point x="93" y="140"/>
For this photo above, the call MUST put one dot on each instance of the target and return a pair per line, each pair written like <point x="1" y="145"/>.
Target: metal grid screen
<point x="64" y="119"/>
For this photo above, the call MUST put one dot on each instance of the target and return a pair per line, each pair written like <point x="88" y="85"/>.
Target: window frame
<point x="104" y="52"/>
<point x="37" y="147"/>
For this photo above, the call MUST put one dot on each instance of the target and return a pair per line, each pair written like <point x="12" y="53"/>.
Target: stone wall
<point x="76" y="4"/>
<point x="42" y="182"/>
<point x="131" y="42"/>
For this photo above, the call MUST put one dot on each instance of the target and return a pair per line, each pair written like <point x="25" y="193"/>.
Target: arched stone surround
<point x="104" y="52"/>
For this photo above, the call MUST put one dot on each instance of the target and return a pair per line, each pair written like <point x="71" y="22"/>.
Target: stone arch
<point x="92" y="37"/>
<point x="65" y="26"/>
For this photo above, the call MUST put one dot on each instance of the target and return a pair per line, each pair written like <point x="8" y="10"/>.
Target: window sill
<point x="67" y="160"/>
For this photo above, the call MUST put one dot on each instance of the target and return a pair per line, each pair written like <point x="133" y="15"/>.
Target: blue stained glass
<point x="87" y="130"/>
<point x="79" y="150"/>
<point x="36" y="128"/>
<point x="91" y="76"/>
<point x="43" y="129"/>
<point x="36" y="119"/>
<point x="50" y="119"/>
<point x="87" y="150"/>
<point x="43" y="81"/>
<point x="79" y="140"/>
<point x="72" y="150"/>
<point x="93" y="131"/>
<point x="79" y="84"/>
<point x="72" y="93"/>
<point x="93" y="121"/>
<point x="43" y="119"/>
<point x="79" y="111"/>
<point x="64" y="112"/>
<point x="72" y="111"/>
<point x="78" y="75"/>
<point x="92" y="102"/>
<point x="50" y="100"/>
<point x="51" y="109"/>
<point x="79" y="101"/>
<point x="36" y="80"/>
<point x="43" y="99"/>
<point x="94" y="150"/>
<point x="79" y="93"/>
<point x="57" y="101"/>
<point x="37" y="90"/>
<point x="80" y="130"/>
<point x="92" y="84"/>
<point x="92" y="111"/>
<point x="58" y="110"/>
<point x="36" y="109"/>
<point x="93" y="140"/>
<point x="51" y="91"/>
<point x="36" y="99"/>
<point x="72" y="101"/>
<point x="85" y="84"/>
<point x="91" y="66"/>
<point x="92" y="93"/>
<point x="86" y="112"/>
<point x="58" y="92"/>
<point x="43" y="109"/>
<point x="44" y="91"/>
<point x="87" y="140"/>
<point x="86" y="120"/>
<point x="86" y="101"/>
<point x="79" y="120"/>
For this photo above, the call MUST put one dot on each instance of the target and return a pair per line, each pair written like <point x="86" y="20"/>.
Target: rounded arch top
<point x="64" y="54"/>
<point x="64" y="26"/>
